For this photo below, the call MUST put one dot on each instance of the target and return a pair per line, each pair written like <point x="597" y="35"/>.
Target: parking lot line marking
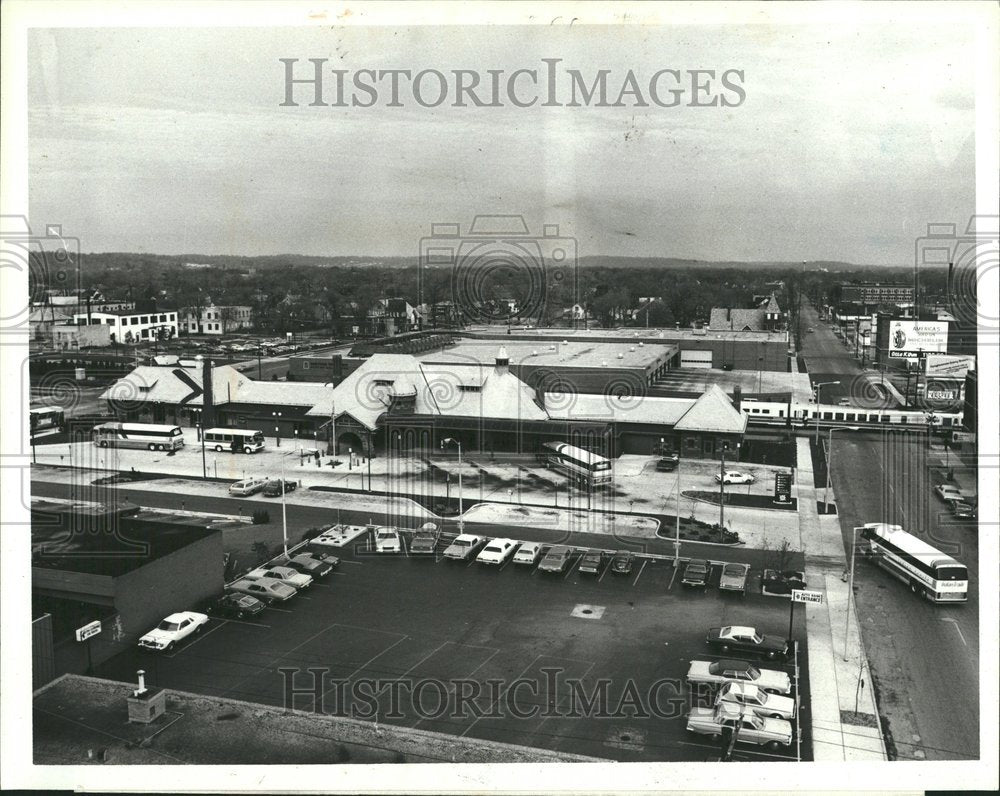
<point x="957" y="628"/>
<point x="640" y="572"/>
<point x="605" y="572"/>
<point x="283" y="610"/>
<point x="451" y="688"/>
<point x="572" y="564"/>
<point x="368" y="662"/>
<point x="493" y="704"/>
<point x="194" y="641"/>
<point x="241" y="622"/>
<point x="323" y="585"/>
<point x="345" y="561"/>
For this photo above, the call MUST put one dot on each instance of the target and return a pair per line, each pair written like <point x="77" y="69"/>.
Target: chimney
<point x="502" y="361"/>
<point x="737" y="397"/>
<point x="208" y="404"/>
<point x="142" y="683"/>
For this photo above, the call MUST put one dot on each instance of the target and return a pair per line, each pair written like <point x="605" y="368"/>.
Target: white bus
<point x="585" y="469"/>
<point x="927" y="571"/>
<point x="234" y="439"/>
<point x="138" y="435"/>
<point x="45" y="420"/>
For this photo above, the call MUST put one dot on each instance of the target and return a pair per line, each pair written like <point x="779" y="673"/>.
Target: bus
<point x="234" y="439"/>
<point x="927" y="571"/>
<point x="46" y="420"/>
<point x="585" y="469"/>
<point x="138" y="435"/>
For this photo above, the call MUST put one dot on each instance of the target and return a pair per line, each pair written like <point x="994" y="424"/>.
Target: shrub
<point x="260" y="550"/>
<point x="261" y="516"/>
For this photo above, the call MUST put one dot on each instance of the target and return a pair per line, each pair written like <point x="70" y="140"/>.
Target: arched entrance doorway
<point x="350" y="441"/>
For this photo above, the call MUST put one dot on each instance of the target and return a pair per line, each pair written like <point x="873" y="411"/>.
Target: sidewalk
<point x="845" y="723"/>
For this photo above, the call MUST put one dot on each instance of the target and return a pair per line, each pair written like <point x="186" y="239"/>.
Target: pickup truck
<point x="695" y="573"/>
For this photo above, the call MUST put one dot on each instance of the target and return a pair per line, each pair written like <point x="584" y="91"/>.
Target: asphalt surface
<point x="924" y="657"/>
<point x="435" y="622"/>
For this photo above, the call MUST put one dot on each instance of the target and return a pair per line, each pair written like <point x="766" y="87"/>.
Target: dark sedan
<point x="746" y="639"/>
<point x="273" y="488"/>
<point x="591" y="563"/>
<point x="311" y="564"/>
<point x="234" y="606"/>
<point x="622" y="563"/>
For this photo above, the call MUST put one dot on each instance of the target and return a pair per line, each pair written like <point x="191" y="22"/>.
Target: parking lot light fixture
<point x="819" y="386"/>
<point x="829" y="459"/>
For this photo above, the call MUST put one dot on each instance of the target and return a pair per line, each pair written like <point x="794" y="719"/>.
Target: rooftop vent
<point x="621" y="356"/>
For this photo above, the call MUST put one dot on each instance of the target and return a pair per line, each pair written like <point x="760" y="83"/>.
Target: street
<point x="925" y="657"/>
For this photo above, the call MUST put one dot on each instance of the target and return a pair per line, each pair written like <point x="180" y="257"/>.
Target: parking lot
<point x="503" y="653"/>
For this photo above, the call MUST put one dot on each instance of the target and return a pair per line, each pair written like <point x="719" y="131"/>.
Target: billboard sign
<point x="88" y="630"/>
<point x="911" y="338"/>
<point x="952" y="366"/>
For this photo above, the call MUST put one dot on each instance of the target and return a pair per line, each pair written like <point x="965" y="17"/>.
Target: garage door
<point x="696" y="359"/>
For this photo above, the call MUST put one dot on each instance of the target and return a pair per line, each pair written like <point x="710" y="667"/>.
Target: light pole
<point x="819" y="386"/>
<point x="277" y="429"/>
<point x="829" y="460"/>
<point x="677" y="519"/>
<point x="850" y="591"/>
<point x="458" y="444"/>
<point x="284" y="516"/>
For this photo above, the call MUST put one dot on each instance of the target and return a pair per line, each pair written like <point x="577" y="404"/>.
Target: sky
<point x="850" y="140"/>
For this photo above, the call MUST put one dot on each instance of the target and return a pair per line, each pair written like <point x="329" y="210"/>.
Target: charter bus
<point x="585" y="469"/>
<point x="234" y="439"/>
<point x="927" y="571"/>
<point x="138" y="435"/>
<point x="46" y="420"/>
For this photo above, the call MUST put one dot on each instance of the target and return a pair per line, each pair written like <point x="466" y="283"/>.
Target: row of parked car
<point x="963" y="506"/>
<point x="245" y="598"/>
<point x="752" y="702"/>
<point x="732" y="578"/>
<point x="269" y="487"/>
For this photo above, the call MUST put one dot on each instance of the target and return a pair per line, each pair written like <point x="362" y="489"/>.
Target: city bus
<point x="585" y="469"/>
<point x="927" y="571"/>
<point x="45" y="420"/>
<point x="234" y="439"/>
<point x="138" y="435"/>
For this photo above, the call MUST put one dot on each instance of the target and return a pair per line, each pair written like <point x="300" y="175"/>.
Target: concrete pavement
<point x="845" y="721"/>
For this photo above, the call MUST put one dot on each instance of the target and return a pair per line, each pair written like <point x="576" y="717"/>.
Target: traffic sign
<point x="805" y="596"/>
<point x="88" y="630"/>
<point x="783" y="488"/>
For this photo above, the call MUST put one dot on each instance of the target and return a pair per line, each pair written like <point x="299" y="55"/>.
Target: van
<point x="248" y="486"/>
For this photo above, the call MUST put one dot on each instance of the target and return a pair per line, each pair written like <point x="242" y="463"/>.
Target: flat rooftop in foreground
<point x="624" y="334"/>
<point x="74" y="714"/>
<point x="573" y="354"/>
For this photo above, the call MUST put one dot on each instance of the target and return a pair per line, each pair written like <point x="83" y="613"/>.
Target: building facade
<point x="132" y="326"/>
<point x="217" y="319"/>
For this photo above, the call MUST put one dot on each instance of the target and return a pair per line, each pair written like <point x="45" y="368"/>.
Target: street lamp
<point x="829" y="460"/>
<point x="277" y="429"/>
<point x="820" y="385"/>
<point x="284" y="516"/>
<point x="461" y="510"/>
<point x="850" y="591"/>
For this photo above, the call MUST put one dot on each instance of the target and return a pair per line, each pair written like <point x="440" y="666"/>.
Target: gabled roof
<point x="610" y="408"/>
<point x="736" y="319"/>
<point x="772" y="305"/>
<point x="714" y="412"/>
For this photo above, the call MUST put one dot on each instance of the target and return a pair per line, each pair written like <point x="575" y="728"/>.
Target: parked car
<point x="760" y="702"/>
<point x="964" y="511"/>
<point x="844" y="402"/>
<point x="267" y="590"/>
<point x="695" y="573"/>
<point x="387" y="540"/>
<point x="315" y="566"/>
<point x="424" y="541"/>
<point x="556" y="559"/>
<point x="247" y="487"/>
<point x="591" y="563"/>
<point x="464" y="547"/>
<point x="783" y="582"/>
<point x="717" y="673"/>
<point x="734" y="577"/>
<point x="288" y="575"/>
<point x="172" y="630"/>
<point x="528" y="553"/>
<point x="810" y="330"/>
<point x="948" y="493"/>
<point x="233" y="606"/>
<point x="668" y="463"/>
<point x="735" y="477"/>
<point x="753" y="729"/>
<point x="746" y="639"/>
<point x="622" y="563"/>
<point x="273" y="488"/>
<point x="497" y="552"/>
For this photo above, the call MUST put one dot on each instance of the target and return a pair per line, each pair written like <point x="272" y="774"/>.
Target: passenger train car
<point x="797" y="415"/>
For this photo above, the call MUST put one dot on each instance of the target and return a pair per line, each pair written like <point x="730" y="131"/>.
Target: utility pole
<point x="677" y="519"/>
<point x="722" y="491"/>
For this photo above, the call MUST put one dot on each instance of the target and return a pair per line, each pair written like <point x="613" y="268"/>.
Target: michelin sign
<point x="912" y="338"/>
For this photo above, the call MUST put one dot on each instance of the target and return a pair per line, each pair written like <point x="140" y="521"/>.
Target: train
<point x="794" y="415"/>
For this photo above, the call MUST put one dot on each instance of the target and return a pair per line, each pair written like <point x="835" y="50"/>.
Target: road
<point x="924" y="657"/>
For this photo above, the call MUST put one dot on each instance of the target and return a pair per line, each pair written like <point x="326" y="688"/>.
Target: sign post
<point x="801" y="596"/>
<point x="85" y="633"/>
<point x="782" y="488"/>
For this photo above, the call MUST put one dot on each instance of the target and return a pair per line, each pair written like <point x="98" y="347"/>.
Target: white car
<point x="948" y="493"/>
<point x="754" y="729"/>
<point x="528" y="553"/>
<point x="387" y="540"/>
<point x="735" y="477"/>
<point x="293" y="578"/>
<point x="173" y="629"/>
<point x="248" y="486"/>
<point x="497" y="552"/>
<point x="758" y="700"/>
<point x="464" y="546"/>
<point x="717" y="673"/>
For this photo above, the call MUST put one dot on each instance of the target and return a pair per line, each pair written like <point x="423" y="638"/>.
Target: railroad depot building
<point x="397" y="401"/>
<point x="115" y="564"/>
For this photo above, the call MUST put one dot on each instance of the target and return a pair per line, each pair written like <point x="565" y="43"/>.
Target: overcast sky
<point x="849" y="141"/>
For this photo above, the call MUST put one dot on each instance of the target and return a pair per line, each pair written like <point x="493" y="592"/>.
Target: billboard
<point x="910" y="338"/>
<point x="952" y="366"/>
